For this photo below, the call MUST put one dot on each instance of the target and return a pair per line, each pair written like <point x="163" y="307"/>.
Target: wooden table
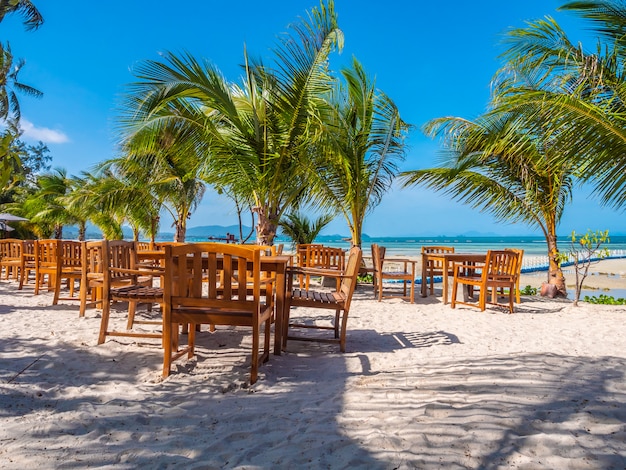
<point x="276" y="264"/>
<point x="448" y="260"/>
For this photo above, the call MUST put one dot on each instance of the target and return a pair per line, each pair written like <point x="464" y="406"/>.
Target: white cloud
<point x="48" y="136"/>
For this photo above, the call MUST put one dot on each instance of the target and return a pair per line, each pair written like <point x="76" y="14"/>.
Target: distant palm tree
<point x="164" y="162"/>
<point x="495" y="164"/>
<point x="47" y="205"/>
<point x="300" y="229"/>
<point x="365" y="140"/>
<point x="255" y="136"/>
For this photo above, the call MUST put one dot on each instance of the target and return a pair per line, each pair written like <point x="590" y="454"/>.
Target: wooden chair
<point x="47" y="253"/>
<point x="231" y="294"/>
<point x="405" y="273"/>
<point x="324" y="257"/>
<point x="435" y="267"/>
<point x="122" y="281"/>
<point x="338" y="300"/>
<point x="11" y="257"/>
<point x="520" y="254"/>
<point x="92" y="277"/>
<point x="69" y="267"/>
<point x="27" y="265"/>
<point x="499" y="271"/>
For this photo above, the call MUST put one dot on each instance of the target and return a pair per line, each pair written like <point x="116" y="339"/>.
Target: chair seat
<point x="134" y="292"/>
<point x="331" y="298"/>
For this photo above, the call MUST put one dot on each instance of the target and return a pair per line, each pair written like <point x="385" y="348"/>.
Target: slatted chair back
<point x="215" y="284"/>
<point x="11" y="257"/>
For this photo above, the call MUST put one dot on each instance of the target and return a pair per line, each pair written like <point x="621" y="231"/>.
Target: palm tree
<point x="174" y="181"/>
<point x="254" y="136"/>
<point x="47" y="205"/>
<point x="497" y="165"/>
<point x="584" y="92"/>
<point x="301" y="230"/>
<point x="365" y="140"/>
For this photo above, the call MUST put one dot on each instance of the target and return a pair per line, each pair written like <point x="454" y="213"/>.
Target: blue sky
<point x="433" y="58"/>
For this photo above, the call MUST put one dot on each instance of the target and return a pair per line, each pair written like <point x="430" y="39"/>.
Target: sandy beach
<point x="420" y="386"/>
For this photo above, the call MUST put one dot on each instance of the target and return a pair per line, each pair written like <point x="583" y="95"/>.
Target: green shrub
<point x="529" y="290"/>
<point x="605" y="300"/>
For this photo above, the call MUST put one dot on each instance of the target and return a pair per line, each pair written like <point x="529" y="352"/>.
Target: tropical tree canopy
<point x="254" y="136"/>
<point x="582" y="92"/>
<point x="364" y="139"/>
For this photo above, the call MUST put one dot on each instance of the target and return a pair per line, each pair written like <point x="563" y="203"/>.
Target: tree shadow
<point x="66" y="403"/>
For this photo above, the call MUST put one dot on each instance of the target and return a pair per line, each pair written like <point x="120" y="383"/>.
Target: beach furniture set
<point x="493" y="274"/>
<point x="194" y="284"/>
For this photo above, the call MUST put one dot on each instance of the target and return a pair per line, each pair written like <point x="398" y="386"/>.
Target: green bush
<point x="529" y="290"/>
<point x="605" y="300"/>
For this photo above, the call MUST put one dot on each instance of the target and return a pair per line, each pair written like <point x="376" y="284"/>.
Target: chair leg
<point x="454" y="289"/>
<point x="254" y="371"/>
<point x="342" y="333"/>
<point x="337" y="313"/>
<point x="104" y="322"/>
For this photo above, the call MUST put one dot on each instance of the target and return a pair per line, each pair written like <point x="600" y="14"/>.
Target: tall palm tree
<point x="254" y="136"/>
<point x="584" y="92"/>
<point x="365" y="140"/>
<point x="497" y="165"/>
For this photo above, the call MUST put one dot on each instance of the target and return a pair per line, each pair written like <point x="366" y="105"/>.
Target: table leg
<point x="424" y="285"/>
<point x="281" y="290"/>
<point x="446" y="268"/>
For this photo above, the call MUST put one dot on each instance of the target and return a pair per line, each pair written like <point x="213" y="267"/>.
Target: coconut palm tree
<point x="47" y="205"/>
<point x="254" y="136"/>
<point x="497" y="165"/>
<point x="365" y="140"/>
<point x="583" y="91"/>
<point x="302" y="230"/>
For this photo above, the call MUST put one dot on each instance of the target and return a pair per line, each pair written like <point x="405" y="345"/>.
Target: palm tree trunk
<point x="555" y="273"/>
<point x="82" y="230"/>
<point x="181" y="231"/>
<point x="266" y="226"/>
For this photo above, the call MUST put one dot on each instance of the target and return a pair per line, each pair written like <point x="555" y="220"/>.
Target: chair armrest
<point x="316" y="272"/>
<point x="154" y="271"/>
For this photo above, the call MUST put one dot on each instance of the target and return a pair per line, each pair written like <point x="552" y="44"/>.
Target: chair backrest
<point x="144" y="246"/>
<point x="194" y="283"/>
<point x="118" y="255"/>
<point x="91" y="257"/>
<point x="349" y="281"/>
<point x="10" y="249"/>
<point x="70" y="255"/>
<point x="302" y="252"/>
<point x="378" y="257"/>
<point x="47" y="253"/>
<point x="437" y="264"/>
<point x="502" y="264"/>
<point x="520" y="255"/>
<point x="326" y="257"/>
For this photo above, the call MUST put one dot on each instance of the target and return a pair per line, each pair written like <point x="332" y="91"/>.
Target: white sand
<point x="421" y="386"/>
